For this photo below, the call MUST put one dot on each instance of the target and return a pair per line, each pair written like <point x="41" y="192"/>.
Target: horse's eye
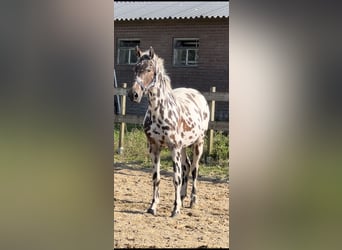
<point x="148" y="70"/>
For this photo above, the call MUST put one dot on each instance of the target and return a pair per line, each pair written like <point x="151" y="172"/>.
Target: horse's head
<point x="145" y="74"/>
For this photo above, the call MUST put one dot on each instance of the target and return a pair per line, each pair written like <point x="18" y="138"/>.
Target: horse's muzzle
<point x="134" y="96"/>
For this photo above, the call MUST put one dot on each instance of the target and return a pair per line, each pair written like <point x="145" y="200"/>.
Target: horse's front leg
<point x="155" y="157"/>
<point x="177" y="180"/>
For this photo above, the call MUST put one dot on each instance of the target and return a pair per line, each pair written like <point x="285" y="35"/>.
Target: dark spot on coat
<point x="151" y="141"/>
<point x="169" y="123"/>
<point x="165" y="127"/>
<point x="184" y="125"/>
<point x="154" y="176"/>
<point x="162" y="111"/>
<point x="194" y="174"/>
<point x="178" y="169"/>
<point x="147" y="123"/>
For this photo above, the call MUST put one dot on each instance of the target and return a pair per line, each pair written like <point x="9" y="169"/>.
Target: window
<point x="126" y="51"/>
<point x="185" y="52"/>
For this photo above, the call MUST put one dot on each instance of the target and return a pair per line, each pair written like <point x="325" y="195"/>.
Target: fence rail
<point x="211" y="97"/>
<point x="138" y="119"/>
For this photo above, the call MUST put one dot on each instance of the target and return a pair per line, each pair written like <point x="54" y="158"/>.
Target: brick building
<point x="191" y="37"/>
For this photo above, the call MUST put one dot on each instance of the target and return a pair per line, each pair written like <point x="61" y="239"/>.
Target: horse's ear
<point x="137" y="51"/>
<point x="151" y="52"/>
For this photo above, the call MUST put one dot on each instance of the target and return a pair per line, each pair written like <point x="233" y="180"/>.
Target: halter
<point x="151" y="84"/>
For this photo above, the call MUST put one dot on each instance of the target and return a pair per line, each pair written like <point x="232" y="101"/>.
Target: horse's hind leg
<point x="185" y="174"/>
<point x="155" y="157"/>
<point x="197" y="153"/>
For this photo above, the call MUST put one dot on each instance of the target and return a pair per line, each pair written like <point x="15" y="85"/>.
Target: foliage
<point x="136" y="152"/>
<point x="221" y="147"/>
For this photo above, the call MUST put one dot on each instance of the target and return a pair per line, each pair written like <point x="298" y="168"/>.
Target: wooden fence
<point x="211" y="97"/>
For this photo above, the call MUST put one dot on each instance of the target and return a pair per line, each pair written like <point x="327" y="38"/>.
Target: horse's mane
<point x="161" y="72"/>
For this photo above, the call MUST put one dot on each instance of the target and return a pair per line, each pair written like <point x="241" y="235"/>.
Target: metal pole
<point x="122" y="125"/>
<point x="212" y="118"/>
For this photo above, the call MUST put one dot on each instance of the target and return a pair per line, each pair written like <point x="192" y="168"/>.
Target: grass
<point x="135" y="153"/>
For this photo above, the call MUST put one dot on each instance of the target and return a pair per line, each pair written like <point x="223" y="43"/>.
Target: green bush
<point x="221" y="147"/>
<point x="136" y="151"/>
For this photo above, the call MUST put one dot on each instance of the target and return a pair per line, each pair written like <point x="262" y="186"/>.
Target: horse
<point x="175" y="118"/>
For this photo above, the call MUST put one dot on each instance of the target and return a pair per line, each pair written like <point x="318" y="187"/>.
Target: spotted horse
<point x="176" y="118"/>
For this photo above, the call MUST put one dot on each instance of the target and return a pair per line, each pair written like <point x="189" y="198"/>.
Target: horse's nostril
<point x="135" y="95"/>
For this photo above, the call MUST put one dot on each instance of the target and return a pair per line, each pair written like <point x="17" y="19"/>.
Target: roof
<point x="129" y="11"/>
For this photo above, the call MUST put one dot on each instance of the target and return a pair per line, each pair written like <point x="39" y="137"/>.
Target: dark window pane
<point x="180" y="56"/>
<point x="133" y="58"/>
<point x="123" y="56"/>
<point x="126" y="51"/>
<point x="128" y="43"/>
<point x="191" y="55"/>
<point x="186" y="51"/>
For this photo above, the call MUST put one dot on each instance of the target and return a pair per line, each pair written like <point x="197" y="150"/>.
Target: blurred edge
<point x="285" y="125"/>
<point x="56" y="128"/>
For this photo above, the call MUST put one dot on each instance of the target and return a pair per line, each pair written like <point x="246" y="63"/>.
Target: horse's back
<point x="185" y="93"/>
<point x="194" y="102"/>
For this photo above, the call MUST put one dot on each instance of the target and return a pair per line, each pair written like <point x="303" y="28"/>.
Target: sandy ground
<point x="205" y="226"/>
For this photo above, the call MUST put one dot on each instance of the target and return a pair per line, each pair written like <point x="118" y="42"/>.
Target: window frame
<point x="129" y="49"/>
<point x="187" y="49"/>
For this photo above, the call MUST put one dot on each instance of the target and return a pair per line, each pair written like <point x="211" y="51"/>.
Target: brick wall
<point x="212" y="69"/>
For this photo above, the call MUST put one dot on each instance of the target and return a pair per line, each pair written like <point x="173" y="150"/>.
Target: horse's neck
<point x="161" y="99"/>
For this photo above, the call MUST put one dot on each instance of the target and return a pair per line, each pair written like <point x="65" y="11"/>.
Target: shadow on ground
<point x="134" y="166"/>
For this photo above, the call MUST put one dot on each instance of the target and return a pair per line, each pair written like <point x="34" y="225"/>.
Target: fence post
<point x="212" y="118"/>
<point x="122" y="125"/>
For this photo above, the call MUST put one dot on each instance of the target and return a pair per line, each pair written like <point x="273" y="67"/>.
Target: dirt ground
<point x="205" y="226"/>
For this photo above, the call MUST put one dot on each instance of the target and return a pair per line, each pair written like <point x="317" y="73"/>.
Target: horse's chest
<point x="160" y="131"/>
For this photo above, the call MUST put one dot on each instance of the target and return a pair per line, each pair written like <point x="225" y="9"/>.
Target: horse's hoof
<point x="151" y="211"/>
<point x="174" y="214"/>
<point x="192" y="204"/>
